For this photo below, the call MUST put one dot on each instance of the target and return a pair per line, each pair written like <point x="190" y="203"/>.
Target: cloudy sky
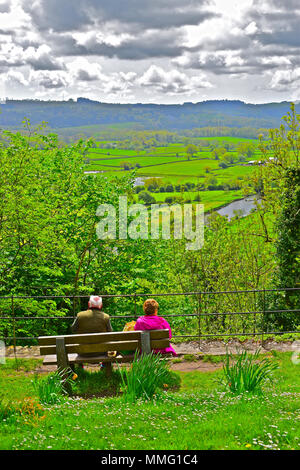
<point x="161" y="51"/>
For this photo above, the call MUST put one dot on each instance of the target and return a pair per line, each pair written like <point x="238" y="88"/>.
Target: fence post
<point x="14" y="328"/>
<point x="254" y="323"/>
<point x="263" y="318"/>
<point x="199" y="320"/>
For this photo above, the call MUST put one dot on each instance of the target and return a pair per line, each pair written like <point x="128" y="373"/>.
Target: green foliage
<point x="48" y="211"/>
<point x="95" y="383"/>
<point x="7" y="410"/>
<point x="191" y="150"/>
<point x="48" y="242"/>
<point x="190" y="358"/>
<point x="146" y="197"/>
<point x="199" y="416"/>
<point x="147" y="374"/>
<point x="245" y="374"/>
<point x="288" y="226"/>
<point x="213" y="359"/>
<point x="51" y="389"/>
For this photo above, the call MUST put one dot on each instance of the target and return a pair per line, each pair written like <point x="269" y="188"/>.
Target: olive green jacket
<point x="91" y="321"/>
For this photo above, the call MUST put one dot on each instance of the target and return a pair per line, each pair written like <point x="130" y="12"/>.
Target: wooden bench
<point x="92" y="348"/>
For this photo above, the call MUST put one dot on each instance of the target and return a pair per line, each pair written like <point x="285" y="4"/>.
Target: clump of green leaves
<point x="190" y="357"/>
<point x="52" y="388"/>
<point x="147" y="374"/>
<point x="6" y="409"/>
<point x="247" y="373"/>
<point x="213" y="359"/>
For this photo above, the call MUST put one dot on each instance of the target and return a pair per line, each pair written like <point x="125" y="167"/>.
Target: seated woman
<point x="151" y="321"/>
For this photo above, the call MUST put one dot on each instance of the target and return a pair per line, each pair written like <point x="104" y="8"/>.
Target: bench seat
<point x="92" y="348"/>
<point x="74" y="358"/>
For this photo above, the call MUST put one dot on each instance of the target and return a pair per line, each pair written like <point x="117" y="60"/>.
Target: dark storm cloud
<point x="279" y="23"/>
<point x="62" y="16"/>
<point x="4" y="6"/>
<point x="264" y="39"/>
<point x="284" y="4"/>
<point x="151" y="28"/>
<point x="149" y="44"/>
<point x="288" y="38"/>
<point x="44" y="62"/>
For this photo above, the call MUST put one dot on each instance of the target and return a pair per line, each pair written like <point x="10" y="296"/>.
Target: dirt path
<point x="194" y="347"/>
<point x="191" y="354"/>
<point x="184" y="366"/>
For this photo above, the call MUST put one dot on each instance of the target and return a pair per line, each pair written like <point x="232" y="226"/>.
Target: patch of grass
<point x="190" y="357"/>
<point x="177" y="360"/>
<point x="51" y="388"/>
<point x="213" y="359"/>
<point x="245" y="373"/>
<point x="182" y="421"/>
<point x="200" y="416"/>
<point x="147" y="374"/>
<point x="96" y="384"/>
<point x="20" y="364"/>
<point x="16" y="378"/>
<point x="6" y="409"/>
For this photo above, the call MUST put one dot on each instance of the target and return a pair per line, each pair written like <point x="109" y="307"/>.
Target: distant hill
<point x="85" y="112"/>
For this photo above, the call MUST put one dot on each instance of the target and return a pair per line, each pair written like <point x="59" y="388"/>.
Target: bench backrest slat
<point x="91" y="338"/>
<point x="105" y="347"/>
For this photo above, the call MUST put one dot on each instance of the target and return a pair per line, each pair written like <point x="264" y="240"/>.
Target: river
<point x="243" y="207"/>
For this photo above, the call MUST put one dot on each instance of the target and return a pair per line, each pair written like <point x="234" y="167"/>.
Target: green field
<point x="187" y="168"/>
<point x="210" y="199"/>
<point x="171" y="160"/>
<point x="172" y="165"/>
<point x="143" y="161"/>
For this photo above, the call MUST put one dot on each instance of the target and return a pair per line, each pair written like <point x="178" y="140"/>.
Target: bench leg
<point x="108" y="369"/>
<point x="62" y="362"/>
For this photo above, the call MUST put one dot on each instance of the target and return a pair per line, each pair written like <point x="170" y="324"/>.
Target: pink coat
<point x="153" y="322"/>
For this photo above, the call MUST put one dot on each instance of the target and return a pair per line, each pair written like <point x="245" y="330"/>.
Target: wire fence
<point x="192" y="316"/>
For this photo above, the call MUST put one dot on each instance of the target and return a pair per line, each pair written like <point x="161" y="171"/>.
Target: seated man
<point x="92" y="320"/>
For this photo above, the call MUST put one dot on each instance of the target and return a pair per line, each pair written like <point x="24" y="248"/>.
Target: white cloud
<point x="84" y="70"/>
<point x="41" y="58"/>
<point x="251" y="28"/>
<point x="15" y="78"/>
<point x="172" y="81"/>
<point x="51" y="79"/>
<point x="285" y="79"/>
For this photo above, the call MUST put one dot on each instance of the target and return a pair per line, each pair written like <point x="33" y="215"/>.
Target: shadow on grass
<point x="95" y="384"/>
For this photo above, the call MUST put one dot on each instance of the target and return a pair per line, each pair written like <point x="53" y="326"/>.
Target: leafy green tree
<point x="191" y="149"/>
<point x="146" y="197"/>
<point x="288" y="226"/>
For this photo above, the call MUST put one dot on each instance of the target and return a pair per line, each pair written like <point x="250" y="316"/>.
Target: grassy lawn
<point x="201" y="415"/>
<point x="143" y="161"/>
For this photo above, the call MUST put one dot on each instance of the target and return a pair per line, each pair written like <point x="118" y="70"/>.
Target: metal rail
<point x="200" y="309"/>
